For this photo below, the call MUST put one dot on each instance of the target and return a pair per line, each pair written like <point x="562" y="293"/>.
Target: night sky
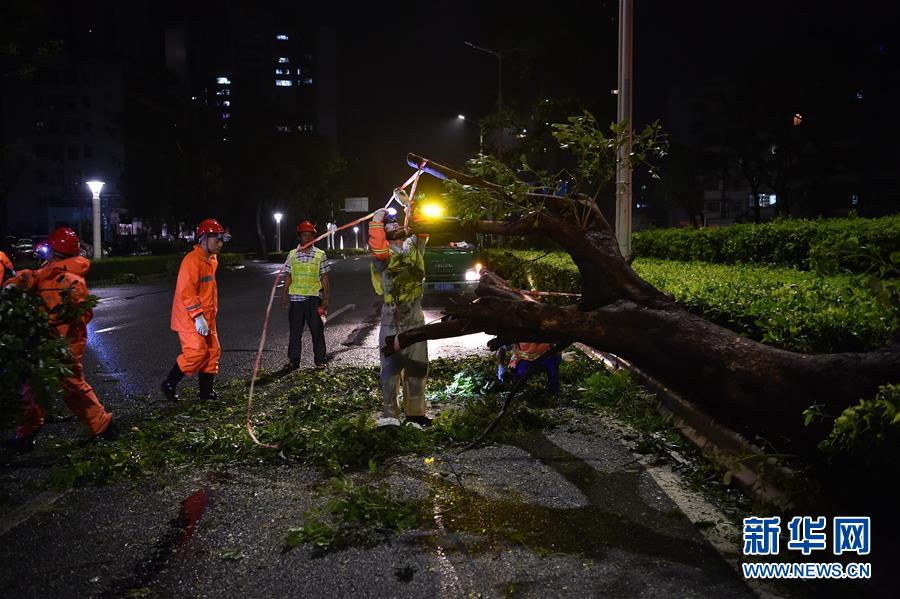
<point x="405" y="72"/>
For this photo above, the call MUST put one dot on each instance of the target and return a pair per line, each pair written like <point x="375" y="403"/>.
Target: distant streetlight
<point x="95" y="187"/>
<point x="278" y="216"/>
<point x="462" y="117"/>
<point x="355" y="236"/>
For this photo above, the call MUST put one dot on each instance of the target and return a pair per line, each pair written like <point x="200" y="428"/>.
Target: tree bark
<point x="755" y="388"/>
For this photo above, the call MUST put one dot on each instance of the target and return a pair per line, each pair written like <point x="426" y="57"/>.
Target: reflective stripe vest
<point x="528" y="351"/>
<point x="401" y="279"/>
<point x="305" y="279"/>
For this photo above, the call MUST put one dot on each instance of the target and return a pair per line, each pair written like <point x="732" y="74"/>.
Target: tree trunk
<point x="757" y="389"/>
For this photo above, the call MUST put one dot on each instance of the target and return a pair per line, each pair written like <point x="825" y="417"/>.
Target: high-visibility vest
<point x="402" y="279"/>
<point x="305" y="279"/>
<point x="527" y="351"/>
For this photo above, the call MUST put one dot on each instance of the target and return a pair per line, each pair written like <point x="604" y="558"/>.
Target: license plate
<point x="444" y="286"/>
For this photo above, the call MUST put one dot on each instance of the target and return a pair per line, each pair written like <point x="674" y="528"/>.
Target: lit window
<point x="283" y="128"/>
<point x="282" y="71"/>
<point x="859" y="95"/>
<point x="226" y="102"/>
<point x="281" y="37"/>
<point x="283" y="60"/>
<point x="223" y="80"/>
<point x="298" y="71"/>
<point x="765" y="200"/>
<point x="226" y="115"/>
<point x="306" y="81"/>
<point x="798" y="119"/>
<point x="283" y="83"/>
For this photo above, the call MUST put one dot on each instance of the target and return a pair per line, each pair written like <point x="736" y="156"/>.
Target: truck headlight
<point x="472" y="275"/>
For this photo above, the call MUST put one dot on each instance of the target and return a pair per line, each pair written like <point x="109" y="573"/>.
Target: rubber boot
<point x="169" y="386"/>
<point x="205" y="381"/>
<point x="21" y="444"/>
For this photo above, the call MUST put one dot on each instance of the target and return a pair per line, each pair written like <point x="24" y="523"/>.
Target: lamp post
<point x="277" y="216"/>
<point x="623" y="164"/>
<point x="95" y="187"/>
<point x="462" y="117"/>
<point x="355" y="236"/>
<point x="499" y="55"/>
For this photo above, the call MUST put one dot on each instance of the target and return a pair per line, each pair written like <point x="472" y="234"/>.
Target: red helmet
<point x="208" y="226"/>
<point x="64" y="241"/>
<point x="306" y="227"/>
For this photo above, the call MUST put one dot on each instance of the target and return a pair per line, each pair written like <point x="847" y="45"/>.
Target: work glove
<point x="380" y="215"/>
<point x="201" y="325"/>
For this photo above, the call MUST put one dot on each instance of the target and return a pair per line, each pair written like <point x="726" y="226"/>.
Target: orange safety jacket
<point x="6" y="267"/>
<point x="527" y="351"/>
<point x="379" y="246"/>
<point x="195" y="292"/>
<point x="50" y="281"/>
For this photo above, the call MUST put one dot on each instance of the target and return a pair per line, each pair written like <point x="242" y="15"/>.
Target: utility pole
<point x="623" y="164"/>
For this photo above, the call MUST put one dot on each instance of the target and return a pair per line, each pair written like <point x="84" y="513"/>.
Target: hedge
<point x="787" y="308"/>
<point x="110" y="268"/>
<point x="825" y="246"/>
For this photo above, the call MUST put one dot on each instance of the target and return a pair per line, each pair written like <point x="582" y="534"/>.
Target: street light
<point x="355" y="236"/>
<point x="462" y="117"/>
<point x="499" y="55"/>
<point x="278" y="216"/>
<point x="95" y="187"/>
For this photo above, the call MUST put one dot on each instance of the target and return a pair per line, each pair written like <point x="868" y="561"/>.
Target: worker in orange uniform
<point x="194" y="309"/>
<point x="61" y="280"/>
<point x="6" y="268"/>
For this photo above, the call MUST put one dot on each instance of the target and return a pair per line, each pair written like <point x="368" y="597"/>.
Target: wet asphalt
<point x="569" y="512"/>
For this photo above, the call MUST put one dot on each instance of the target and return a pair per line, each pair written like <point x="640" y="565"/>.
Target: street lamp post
<point x="278" y="216"/>
<point x="499" y="55"/>
<point x="463" y="117"/>
<point x="95" y="187"/>
<point x="355" y="236"/>
<point x="623" y="164"/>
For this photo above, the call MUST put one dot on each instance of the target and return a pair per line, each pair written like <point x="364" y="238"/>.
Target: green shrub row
<point x="787" y="308"/>
<point x="110" y="268"/>
<point x="825" y="246"/>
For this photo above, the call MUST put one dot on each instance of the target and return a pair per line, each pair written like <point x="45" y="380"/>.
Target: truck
<point x="452" y="263"/>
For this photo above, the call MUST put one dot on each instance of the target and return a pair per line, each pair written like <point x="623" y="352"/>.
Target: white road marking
<point x="108" y="329"/>
<point x="23" y="513"/>
<point x="340" y="311"/>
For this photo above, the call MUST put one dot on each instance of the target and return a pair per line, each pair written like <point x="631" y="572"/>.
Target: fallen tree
<point x="756" y="389"/>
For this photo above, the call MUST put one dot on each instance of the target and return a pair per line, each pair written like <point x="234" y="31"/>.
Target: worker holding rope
<point x="398" y="274"/>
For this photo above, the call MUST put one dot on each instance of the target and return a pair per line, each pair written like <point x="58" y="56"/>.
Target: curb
<point x="730" y="449"/>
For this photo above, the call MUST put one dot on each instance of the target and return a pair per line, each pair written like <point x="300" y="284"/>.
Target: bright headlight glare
<point x="472" y="275"/>
<point x="432" y="210"/>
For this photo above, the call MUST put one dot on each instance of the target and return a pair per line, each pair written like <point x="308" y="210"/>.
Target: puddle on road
<point x="486" y="524"/>
<point x="181" y="529"/>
